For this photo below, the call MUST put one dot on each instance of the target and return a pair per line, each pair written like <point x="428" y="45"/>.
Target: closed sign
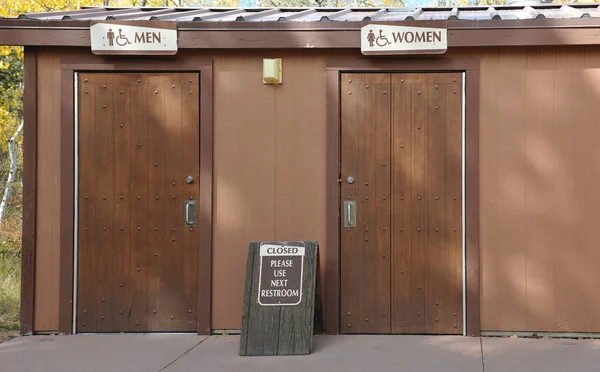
<point x="280" y="281"/>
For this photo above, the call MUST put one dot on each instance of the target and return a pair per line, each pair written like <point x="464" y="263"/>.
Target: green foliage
<point x="10" y="264"/>
<point x="10" y="282"/>
<point x="11" y="96"/>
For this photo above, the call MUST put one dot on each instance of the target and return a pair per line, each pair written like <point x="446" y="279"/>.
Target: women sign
<point x="422" y="38"/>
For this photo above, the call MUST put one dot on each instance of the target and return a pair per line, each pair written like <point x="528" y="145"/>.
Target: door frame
<point x="98" y="64"/>
<point x="470" y="67"/>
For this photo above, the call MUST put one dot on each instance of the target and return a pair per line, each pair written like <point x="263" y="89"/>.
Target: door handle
<point x="190" y="213"/>
<point x="350" y="213"/>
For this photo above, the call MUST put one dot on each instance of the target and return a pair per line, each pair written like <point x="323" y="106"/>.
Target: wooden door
<point x="402" y="263"/>
<point x="138" y="141"/>
<point x="365" y="255"/>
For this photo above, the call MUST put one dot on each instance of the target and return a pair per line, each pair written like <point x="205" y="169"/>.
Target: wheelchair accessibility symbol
<point x="380" y="40"/>
<point x="121" y="39"/>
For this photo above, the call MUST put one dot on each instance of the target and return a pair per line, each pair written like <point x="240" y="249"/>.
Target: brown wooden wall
<point x="539" y="171"/>
<point x="269" y="166"/>
<point x="48" y="199"/>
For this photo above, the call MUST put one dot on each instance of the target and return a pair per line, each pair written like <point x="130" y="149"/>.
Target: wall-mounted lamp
<point x="272" y="71"/>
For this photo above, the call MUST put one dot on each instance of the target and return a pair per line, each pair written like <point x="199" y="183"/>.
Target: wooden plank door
<point x="427" y="203"/>
<point x="138" y="141"/>
<point x="401" y="151"/>
<point x="365" y="255"/>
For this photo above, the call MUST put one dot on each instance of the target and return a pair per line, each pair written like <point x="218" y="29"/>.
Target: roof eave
<point x="289" y="35"/>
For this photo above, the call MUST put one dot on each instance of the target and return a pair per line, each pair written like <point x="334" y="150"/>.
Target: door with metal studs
<point x="137" y="185"/>
<point x="401" y="200"/>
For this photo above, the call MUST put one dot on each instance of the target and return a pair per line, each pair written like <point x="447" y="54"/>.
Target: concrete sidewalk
<point x="175" y="353"/>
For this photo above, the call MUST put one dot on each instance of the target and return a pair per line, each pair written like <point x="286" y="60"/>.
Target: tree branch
<point x="12" y="150"/>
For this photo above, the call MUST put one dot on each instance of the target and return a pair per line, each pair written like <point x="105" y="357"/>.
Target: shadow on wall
<point x="539" y="175"/>
<point x="269" y="171"/>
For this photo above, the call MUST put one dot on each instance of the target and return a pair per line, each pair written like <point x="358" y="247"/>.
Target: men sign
<point x="280" y="273"/>
<point x="413" y="38"/>
<point x="141" y="38"/>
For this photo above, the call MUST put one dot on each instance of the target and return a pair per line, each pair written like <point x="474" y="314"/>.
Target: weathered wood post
<point x="279" y="298"/>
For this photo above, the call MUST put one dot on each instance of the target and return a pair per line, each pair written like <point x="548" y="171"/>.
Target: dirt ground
<point x="6" y="335"/>
<point x="9" y="327"/>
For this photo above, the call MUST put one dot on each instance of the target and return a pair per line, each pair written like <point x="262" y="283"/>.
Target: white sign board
<point x="125" y="38"/>
<point x="381" y="39"/>
<point x="280" y="275"/>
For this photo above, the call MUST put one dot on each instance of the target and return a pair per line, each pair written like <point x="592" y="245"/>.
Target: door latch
<point x="350" y="213"/>
<point x="190" y="213"/>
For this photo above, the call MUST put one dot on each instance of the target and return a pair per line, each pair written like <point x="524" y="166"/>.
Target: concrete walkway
<point x="175" y="353"/>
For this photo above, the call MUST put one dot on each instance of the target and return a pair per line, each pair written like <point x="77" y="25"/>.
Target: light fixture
<point x="272" y="71"/>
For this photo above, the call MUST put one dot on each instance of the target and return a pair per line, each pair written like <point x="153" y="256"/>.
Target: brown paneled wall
<point x="540" y="171"/>
<point x="539" y="168"/>
<point x="269" y="166"/>
<point x="48" y="198"/>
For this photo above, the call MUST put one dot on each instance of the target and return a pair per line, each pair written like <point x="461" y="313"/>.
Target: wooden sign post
<point x="279" y="299"/>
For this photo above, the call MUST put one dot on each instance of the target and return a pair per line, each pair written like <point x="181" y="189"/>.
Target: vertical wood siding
<point x="269" y="166"/>
<point x="539" y="172"/>
<point x="48" y="199"/>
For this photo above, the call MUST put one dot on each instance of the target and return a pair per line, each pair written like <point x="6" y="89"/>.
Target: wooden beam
<point x="29" y="192"/>
<point x="330" y="253"/>
<point x="206" y="198"/>
<point x="472" y="266"/>
<point x="67" y="198"/>
<point x="44" y="37"/>
<point x="320" y="35"/>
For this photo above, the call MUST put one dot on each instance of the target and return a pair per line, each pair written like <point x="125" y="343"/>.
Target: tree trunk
<point x="12" y="150"/>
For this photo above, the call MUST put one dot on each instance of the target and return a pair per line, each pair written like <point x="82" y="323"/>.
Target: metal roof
<point x="477" y="13"/>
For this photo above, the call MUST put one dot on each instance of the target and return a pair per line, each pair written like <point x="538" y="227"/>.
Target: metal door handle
<point x="190" y="213"/>
<point x="350" y="213"/>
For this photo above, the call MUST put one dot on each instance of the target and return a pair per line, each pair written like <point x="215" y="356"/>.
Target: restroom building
<point x="446" y="160"/>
